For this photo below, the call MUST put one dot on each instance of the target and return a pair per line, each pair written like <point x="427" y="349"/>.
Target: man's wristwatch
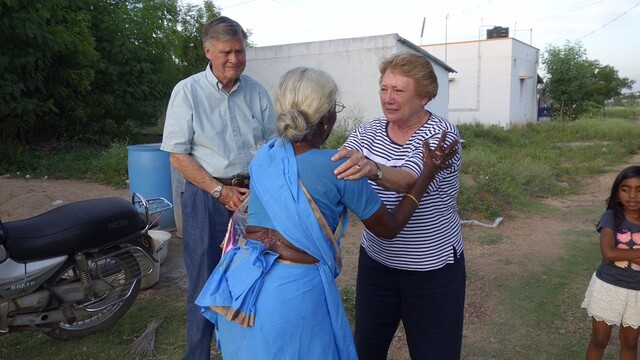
<point x="217" y="191"/>
<point x="378" y="172"/>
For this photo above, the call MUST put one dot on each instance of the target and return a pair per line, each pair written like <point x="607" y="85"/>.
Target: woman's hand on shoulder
<point x="355" y="167"/>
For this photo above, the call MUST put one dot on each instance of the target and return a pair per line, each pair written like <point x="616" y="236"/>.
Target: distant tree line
<point x="627" y="99"/>
<point x="93" y="70"/>
<point x="575" y="84"/>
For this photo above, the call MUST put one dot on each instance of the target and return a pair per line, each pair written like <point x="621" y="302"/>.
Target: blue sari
<point x="266" y="309"/>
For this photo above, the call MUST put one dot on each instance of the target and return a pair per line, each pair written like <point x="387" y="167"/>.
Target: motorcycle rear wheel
<point x="121" y="271"/>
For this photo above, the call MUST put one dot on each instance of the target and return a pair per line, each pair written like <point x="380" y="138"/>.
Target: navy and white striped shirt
<point x="427" y="242"/>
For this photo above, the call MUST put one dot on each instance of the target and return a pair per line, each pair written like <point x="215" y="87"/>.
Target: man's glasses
<point x="339" y="107"/>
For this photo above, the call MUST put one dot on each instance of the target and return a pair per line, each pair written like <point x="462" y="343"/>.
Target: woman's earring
<point x="326" y="126"/>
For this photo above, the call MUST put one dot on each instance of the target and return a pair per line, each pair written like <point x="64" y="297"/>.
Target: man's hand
<point x="232" y="197"/>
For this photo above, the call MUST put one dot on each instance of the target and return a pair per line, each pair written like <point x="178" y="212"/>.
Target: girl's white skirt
<point x="612" y="304"/>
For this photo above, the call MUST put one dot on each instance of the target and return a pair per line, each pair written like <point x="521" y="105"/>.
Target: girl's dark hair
<point x="613" y="202"/>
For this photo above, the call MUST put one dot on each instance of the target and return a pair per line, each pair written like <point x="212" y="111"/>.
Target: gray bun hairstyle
<point x="302" y="97"/>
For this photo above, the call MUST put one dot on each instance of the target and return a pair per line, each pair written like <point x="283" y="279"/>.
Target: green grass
<point x="487" y="237"/>
<point x="626" y="112"/>
<point x="348" y="294"/>
<point x="512" y="169"/>
<point x="112" y="343"/>
<point x="69" y="161"/>
<point x="551" y="299"/>
<point x="540" y="315"/>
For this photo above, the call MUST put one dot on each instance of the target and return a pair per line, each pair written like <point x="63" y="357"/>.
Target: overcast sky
<point x="608" y="29"/>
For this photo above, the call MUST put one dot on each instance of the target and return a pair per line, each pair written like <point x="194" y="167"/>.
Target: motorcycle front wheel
<point x="118" y="274"/>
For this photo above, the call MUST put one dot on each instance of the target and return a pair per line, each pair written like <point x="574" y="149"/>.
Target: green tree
<point x="188" y="51"/>
<point x="137" y="67"/>
<point x="93" y="70"/>
<point x="575" y="83"/>
<point x="606" y="84"/>
<point x="569" y="73"/>
<point x="46" y="67"/>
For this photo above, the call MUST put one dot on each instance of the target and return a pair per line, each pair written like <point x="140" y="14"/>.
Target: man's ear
<point x="207" y="51"/>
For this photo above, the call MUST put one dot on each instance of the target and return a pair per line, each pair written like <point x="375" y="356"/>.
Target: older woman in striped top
<point x="418" y="276"/>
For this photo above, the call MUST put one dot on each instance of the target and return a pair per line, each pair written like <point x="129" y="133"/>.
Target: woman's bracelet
<point x="413" y="197"/>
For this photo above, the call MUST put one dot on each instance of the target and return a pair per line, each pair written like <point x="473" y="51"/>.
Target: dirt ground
<point x="20" y="198"/>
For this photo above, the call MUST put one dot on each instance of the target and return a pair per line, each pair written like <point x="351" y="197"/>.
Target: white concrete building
<point x="353" y="63"/>
<point x="495" y="83"/>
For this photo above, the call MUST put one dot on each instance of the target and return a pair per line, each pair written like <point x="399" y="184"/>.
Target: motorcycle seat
<point x="73" y="227"/>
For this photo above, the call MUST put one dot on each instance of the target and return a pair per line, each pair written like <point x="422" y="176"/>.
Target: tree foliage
<point x="576" y="83"/>
<point x="135" y="69"/>
<point x="93" y="69"/>
<point x="606" y="84"/>
<point x="189" y="53"/>
<point x="46" y="66"/>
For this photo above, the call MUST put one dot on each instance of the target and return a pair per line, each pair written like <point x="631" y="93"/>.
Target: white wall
<point x="524" y="107"/>
<point x="353" y="63"/>
<point x="495" y="81"/>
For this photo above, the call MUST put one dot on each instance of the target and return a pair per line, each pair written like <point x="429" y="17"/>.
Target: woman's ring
<point x="358" y="166"/>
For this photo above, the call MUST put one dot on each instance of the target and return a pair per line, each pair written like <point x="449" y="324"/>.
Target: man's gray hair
<point x="222" y="28"/>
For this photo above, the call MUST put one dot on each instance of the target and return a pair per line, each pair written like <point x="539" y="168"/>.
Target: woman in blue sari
<point x="275" y="297"/>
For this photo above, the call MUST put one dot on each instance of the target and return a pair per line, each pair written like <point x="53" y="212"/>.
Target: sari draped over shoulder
<point x="236" y="282"/>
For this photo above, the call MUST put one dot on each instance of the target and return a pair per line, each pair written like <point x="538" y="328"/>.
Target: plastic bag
<point x="236" y="228"/>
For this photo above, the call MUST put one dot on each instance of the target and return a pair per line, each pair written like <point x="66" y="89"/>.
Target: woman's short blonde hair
<point x="416" y="67"/>
<point x="302" y="96"/>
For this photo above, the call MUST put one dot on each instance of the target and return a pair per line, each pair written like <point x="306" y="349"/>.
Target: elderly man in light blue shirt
<point x="216" y="120"/>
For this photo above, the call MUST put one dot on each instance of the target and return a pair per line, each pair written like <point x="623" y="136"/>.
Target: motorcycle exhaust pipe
<point x="61" y="315"/>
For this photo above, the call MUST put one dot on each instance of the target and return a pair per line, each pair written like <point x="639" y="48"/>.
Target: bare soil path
<point x="21" y="198"/>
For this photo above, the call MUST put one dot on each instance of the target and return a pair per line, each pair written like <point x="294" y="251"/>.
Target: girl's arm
<point x="609" y="250"/>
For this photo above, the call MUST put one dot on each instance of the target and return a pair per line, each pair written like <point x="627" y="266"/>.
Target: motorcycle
<point x="76" y="270"/>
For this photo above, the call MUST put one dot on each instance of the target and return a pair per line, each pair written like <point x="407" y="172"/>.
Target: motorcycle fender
<point x="18" y="279"/>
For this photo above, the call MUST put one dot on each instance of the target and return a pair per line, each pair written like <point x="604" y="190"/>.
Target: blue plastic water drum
<point x="150" y="176"/>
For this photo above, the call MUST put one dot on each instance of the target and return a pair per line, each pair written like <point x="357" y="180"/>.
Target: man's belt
<point x="240" y="181"/>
